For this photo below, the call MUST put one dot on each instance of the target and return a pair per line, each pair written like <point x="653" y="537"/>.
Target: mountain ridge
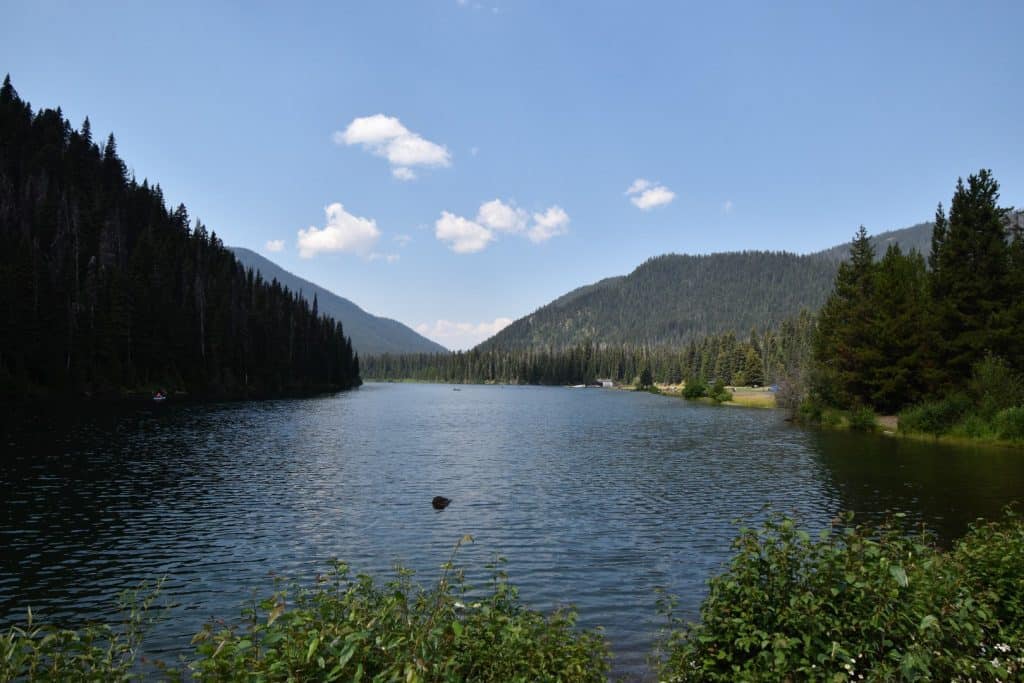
<point x="673" y="298"/>
<point x="370" y="334"/>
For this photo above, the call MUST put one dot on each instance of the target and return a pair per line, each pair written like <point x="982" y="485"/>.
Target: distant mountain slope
<point x="671" y="299"/>
<point x="917" y="237"/>
<point x="371" y="335"/>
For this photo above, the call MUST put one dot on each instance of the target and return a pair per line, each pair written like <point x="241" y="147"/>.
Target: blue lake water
<point x="595" y="497"/>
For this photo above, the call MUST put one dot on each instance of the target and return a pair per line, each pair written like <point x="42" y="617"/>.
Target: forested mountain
<point x="915" y="238"/>
<point x="762" y="358"/>
<point x="673" y="299"/>
<point x="371" y="335"/>
<point x="104" y="289"/>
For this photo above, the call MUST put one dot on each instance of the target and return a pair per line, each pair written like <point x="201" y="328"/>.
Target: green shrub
<point x="695" y="388"/>
<point x="830" y="417"/>
<point x="936" y="417"/>
<point x="96" y="652"/>
<point x="992" y="557"/>
<point x="1009" y="424"/>
<point x="810" y="411"/>
<point x="718" y="392"/>
<point x="995" y="386"/>
<point x="339" y="629"/>
<point x="973" y="427"/>
<point x="350" y="628"/>
<point x="857" y="604"/>
<point x="863" y="419"/>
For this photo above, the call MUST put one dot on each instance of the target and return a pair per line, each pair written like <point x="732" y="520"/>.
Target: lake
<point x="595" y="497"/>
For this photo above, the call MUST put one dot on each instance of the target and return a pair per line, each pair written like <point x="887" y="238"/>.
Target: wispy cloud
<point x="385" y="136"/>
<point x="402" y="240"/>
<point x="468" y="236"/>
<point x="727" y="206"/>
<point x="342" y="232"/>
<point x="457" y="336"/>
<point x="274" y="246"/>
<point x="647" y="195"/>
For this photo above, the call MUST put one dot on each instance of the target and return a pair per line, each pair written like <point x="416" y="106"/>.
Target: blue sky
<point x="750" y="126"/>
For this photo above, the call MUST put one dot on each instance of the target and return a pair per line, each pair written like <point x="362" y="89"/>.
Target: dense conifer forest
<point x="673" y="299"/>
<point x="759" y="358"/>
<point x="370" y="334"/>
<point x="105" y="290"/>
<point x="945" y="335"/>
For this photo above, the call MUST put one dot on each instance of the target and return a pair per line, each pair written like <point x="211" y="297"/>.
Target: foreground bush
<point x="96" y="652"/>
<point x="341" y="628"/>
<point x="854" y="604"/>
<point x="350" y="629"/>
<point x="859" y="604"/>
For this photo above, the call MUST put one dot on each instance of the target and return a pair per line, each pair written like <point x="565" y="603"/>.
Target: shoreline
<point x="758" y="398"/>
<point x="140" y="398"/>
<point x="887" y="426"/>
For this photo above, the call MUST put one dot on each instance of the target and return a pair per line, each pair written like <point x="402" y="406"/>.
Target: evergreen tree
<point x="103" y="289"/>
<point x="844" y="347"/>
<point x="900" y="332"/>
<point x="753" y="369"/>
<point x="969" y="280"/>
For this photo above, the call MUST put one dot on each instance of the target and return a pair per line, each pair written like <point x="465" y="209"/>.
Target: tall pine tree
<point x="970" y="277"/>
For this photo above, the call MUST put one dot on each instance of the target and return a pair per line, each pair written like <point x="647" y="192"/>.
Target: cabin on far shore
<point x="606" y="383"/>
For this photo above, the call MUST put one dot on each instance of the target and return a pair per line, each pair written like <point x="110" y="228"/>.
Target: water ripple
<point x="595" y="497"/>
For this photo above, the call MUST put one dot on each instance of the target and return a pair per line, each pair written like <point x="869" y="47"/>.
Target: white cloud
<point x="458" y="336"/>
<point x="371" y="130"/>
<point x="274" y="246"/>
<point x="343" y="232"/>
<point x="554" y="221"/>
<point x="402" y="240"/>
<point x="463" y="235"/>
<point x="647" y="195"/>
<point x="389" y="258"/>
<point x="385" y="136"/>
<point x="502" y="217"/>
<point x="470" y="236"/>
<point x="639" y="185"/>
<point x="727" y="206"/>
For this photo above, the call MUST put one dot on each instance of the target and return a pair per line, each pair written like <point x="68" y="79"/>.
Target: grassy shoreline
<point x="888" y="426"/>
<point x="740" y="397"/>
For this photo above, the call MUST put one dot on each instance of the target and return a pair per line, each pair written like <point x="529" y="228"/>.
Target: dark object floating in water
<point x="440" y="502"/>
